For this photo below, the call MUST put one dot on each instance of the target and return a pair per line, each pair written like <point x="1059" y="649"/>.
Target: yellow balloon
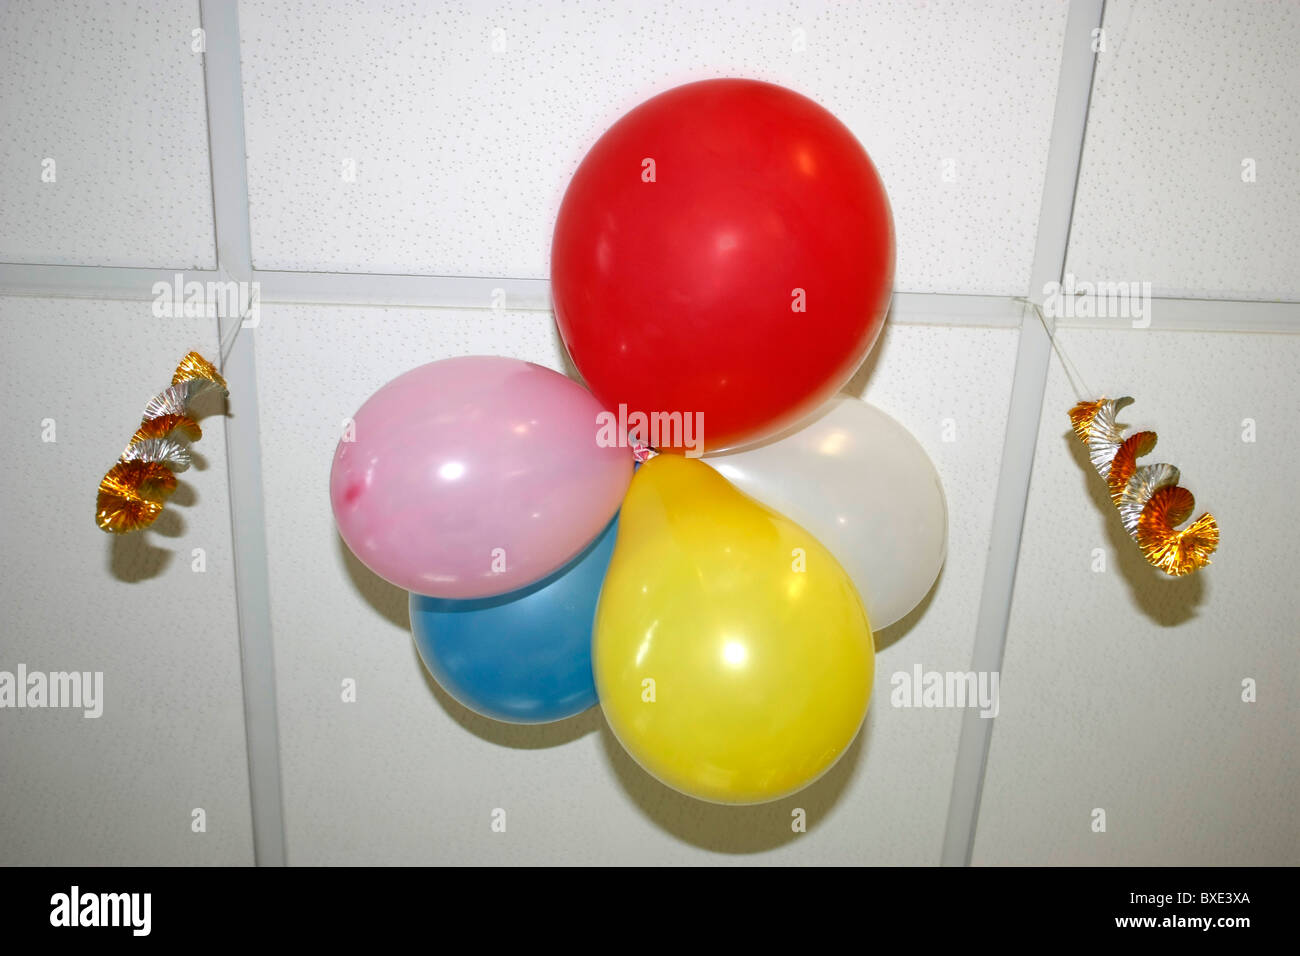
<point x="733" y="656"/>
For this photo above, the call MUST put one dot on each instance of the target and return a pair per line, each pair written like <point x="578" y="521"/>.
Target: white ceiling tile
<point x="104" y="159"/>
<point x="1189" y="97"/>
<point x="121" y="788"/>
<point x="461" y="152"/>
<point x="1122" y="688"/>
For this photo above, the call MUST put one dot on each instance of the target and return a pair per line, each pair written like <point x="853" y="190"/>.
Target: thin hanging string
<point x="228" y="343"/>
<point x="1071" y="372"/>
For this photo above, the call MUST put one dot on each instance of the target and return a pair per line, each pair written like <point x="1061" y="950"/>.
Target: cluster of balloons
<point x="721" y="265"/>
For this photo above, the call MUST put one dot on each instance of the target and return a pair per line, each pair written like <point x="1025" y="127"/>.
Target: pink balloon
<point x="475" y="476"/>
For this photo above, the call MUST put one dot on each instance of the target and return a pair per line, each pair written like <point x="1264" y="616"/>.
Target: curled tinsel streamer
<point x="165" y="451"/>
<point x="195" y="366"/>
<point x="132" y="493"/>
<point x="164" y="425"/>
<point x="1149" y="499"/>
<point x="1124" y="465"/>
<point x="176" y="399"/>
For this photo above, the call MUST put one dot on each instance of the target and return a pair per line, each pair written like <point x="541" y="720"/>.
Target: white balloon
<point x="865" y="488"/>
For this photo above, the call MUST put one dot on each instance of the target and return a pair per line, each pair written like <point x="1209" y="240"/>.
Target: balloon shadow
<point x="895" y="632"/>
<point x="570" y="369"/>
<point x="1168" y="601"/>
<point x="393" y="604"/>
<point x="388" y="599"/>
<point x="514" y="736"/>
<point x="858" y="383"/>
<point x="729" y="829"/>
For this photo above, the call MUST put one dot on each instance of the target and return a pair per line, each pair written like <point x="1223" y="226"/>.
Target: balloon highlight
<point x="474" y="476"/>
<point x="861" y="483"/>
<point x="733" y="657"/>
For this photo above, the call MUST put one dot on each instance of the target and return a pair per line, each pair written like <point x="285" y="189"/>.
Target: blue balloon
<point x="522" y="657"/>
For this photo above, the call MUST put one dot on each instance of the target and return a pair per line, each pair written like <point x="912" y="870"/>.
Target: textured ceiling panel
<point x="154" y="612"/>
<point x="438" y="138"/>
<point x="1191" y="166"/>
<point x="104" y="157"/>
<point x="1123" y="690"/>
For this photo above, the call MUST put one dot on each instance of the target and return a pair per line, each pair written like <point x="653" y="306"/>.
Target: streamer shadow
<point x="1166" y="600"/>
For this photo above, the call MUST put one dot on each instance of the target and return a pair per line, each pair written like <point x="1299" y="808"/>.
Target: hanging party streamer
<point x="1150" y="502"/>
<point x="131" y="495"/>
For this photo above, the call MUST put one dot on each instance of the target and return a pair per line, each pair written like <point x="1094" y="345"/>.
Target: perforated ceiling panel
<point x="1192" y="152"/>
<point x="153" y="613"/>
<point x="104" y="157"/>
<point x="1124" y="690"/>
<point x="436" y="138"/>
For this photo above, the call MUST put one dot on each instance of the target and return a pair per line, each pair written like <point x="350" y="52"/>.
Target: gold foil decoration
<point x="195" y="366"/>
<point x="164" y="425"/>
<point x="1150" y="502"/>
<point x="131" y="495"/>
<point x="1124" y="465"/>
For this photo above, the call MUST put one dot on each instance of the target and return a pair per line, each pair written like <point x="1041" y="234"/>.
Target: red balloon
<point x="725" y="249"/>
